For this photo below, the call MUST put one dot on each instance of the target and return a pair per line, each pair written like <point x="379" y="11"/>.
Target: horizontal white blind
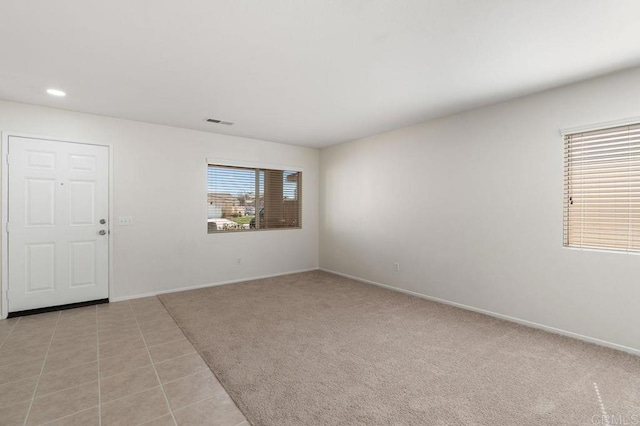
<point x="245" y="198"/>
<point x="602" y="189"/>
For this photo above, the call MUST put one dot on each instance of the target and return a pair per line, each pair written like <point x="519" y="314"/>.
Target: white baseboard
<point x="600" y="342"/>
<point x="174" y="290"/>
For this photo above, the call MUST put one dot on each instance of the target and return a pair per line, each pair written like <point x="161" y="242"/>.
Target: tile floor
<point x="124" y="363"/>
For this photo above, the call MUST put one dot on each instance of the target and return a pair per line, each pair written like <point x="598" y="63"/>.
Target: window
<point x="602" y="189"/>
<point x="243" y="198"/>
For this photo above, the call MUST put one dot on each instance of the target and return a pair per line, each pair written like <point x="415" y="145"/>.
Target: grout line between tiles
<point x="106" y="327"/>
<point x="170" y="341"/>
<point x="146" y="365"/>
<point x="153" y="314"/>
<point x="21" y="379"/>
<point x="105" y="342"/>
<point x="65" y="389"/>
<point x="133" y="394"/>
<point x="10" y="331"/>
<point x="152" y="421"/>
<point x="71" y="366"/>
<point x="33" y="397"/>
<point x="190" y="375"/>
<point x="61" y="390"/>
<point x="197" y="402"/>
<point x="107" y="402"/>
<point x="69" y="415"/>
<point x="98" y="361"/>
<point x="78" y="335"/>
<point x="154" y="369"/>
<point x="127" y="371"/>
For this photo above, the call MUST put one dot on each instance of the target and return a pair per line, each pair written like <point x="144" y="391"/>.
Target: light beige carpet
<point x="319" y="349"/>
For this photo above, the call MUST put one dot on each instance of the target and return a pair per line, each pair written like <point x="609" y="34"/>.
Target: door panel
<point x="58" y="193"/>
<point x="39" y="202"/>
<point x="83" y="163"/>
<point x="39" y="267"/>
<point x="82" y="203"/>
<point x="40" y="160"/>
<point x="82" y="263"/>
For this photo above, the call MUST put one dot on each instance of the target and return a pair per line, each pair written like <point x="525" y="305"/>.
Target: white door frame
<point x="4" y="303"/>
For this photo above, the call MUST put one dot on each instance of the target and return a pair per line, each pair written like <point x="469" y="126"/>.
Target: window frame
<point x="243" y="164"/>
<point x="574" y="131"/>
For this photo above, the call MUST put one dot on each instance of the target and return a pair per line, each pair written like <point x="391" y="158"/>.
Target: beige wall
<point x="471" y="205"/>
<point x="159" y="178"/>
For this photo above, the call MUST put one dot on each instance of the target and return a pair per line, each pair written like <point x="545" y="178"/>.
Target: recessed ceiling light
<point x="56" y="92"/>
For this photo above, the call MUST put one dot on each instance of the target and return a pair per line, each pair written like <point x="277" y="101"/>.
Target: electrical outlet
<point x="396" y="267"/>
<point x="125" y="220"/>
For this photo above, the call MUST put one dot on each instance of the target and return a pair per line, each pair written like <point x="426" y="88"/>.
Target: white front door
<point x="58" y="243"/>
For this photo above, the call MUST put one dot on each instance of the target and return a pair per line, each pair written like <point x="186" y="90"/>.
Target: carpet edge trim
<point x="200" y="353"/>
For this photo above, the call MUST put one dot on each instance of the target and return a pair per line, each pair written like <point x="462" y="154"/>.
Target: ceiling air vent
<point x="216" y="121"/>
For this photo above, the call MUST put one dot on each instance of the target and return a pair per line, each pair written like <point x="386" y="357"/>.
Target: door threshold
<point x="56" y="308"/>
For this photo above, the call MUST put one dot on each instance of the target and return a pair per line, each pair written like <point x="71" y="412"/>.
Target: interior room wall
<point x="159" y="178"/>
<point x="470" y="206"/>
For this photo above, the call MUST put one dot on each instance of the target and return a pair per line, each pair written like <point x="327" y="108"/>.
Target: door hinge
<point x="6" y="227"/>
<point x="7" y="158"/>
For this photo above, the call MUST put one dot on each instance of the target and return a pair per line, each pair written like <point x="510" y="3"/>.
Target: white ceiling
<point x="306" y="72"/>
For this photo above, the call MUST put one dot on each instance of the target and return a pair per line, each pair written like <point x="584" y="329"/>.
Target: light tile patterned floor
<point x="124" y="363"/>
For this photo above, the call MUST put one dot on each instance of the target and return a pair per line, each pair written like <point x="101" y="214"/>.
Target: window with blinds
<point x="602" y="189"/>
<point x="243" y="199"/>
